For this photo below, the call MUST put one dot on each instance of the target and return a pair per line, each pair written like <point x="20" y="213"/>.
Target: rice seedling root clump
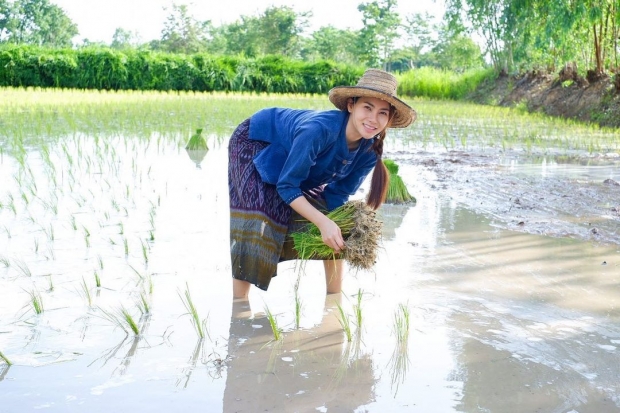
<point x="361" y="231"/>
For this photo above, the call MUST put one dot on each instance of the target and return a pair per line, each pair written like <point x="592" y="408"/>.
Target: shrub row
<point x="104" y="68"/>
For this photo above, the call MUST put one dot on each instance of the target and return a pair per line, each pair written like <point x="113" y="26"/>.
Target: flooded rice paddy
<point x="496" y="292"/>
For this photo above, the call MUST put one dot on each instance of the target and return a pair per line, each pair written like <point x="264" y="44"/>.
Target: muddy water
<point x="504" y="316"/>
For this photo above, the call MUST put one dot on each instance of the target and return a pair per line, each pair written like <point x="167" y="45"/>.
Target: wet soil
<point x="559" y="196"/>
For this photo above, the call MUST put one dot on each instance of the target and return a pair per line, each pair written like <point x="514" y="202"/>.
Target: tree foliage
<point x="35" y="22"/>
<point x="182" y="33"/>
<point x="380" y="27"/>
<point x="525" y="33"/>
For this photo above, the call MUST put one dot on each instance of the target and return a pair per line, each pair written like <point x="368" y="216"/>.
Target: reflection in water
<point x="399" y="362"/>
<point x="4" y="369"/>
<point x="122" y="368"/>
<point x="306" y="370"/>
<point x="392" y="216"/>
<point x="191" y="365"/>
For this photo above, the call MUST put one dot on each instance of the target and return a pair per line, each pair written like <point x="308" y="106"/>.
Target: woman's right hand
<point x="331" y="235"/>
<point x="330" y="231"/>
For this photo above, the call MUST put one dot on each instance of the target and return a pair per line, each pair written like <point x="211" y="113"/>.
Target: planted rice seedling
<point x="357" y="308"/>
<point x="273" y="322"/>
<point x="5" y="261"/>
<point x="85" y="292"/>
<point x="399" y="361"/>
<point x="345" y="322"/>
<point x="36" y="302"/>
<point x="145" y="251"/>
<point x="123" y="319"/>
<point x="199" y="325"/>
<point x="298" y="302"/>
<point x="360" y="229"/>
<point x="143" y="304"/>
<point x="5" y="359"/>
<point x="401" y="324"/>
<point x="23" y="268"/>
<point x="97" y="280"/>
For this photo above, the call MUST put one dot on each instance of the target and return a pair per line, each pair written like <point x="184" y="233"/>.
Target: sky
<point x="98" y="19"/>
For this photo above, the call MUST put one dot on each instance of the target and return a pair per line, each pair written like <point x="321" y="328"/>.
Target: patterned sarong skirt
<point x="260" y="220"/>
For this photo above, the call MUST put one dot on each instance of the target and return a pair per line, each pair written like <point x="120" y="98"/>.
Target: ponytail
<point x="380" y="176"/>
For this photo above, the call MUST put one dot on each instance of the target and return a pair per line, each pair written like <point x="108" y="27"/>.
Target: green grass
<point x="434" y="83"/>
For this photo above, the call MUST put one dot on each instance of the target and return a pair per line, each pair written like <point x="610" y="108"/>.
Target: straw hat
<point x="377" y="84"/>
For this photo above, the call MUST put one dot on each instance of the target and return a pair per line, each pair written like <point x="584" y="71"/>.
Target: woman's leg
<point x="333" y="275"/>
<point x="241" y="289"/>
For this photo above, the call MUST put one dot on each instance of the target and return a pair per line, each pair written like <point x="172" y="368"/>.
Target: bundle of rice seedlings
<point x="360" y="229"/>
<point x="397" y="190"/>
<point x="197" y="142"/>
<point x="197" y="147"/>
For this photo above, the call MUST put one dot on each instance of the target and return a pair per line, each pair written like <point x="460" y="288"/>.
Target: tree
<point x="124" y="39"/>
<point x="280" y="28"/>
<point x="380" y="28"/>
<point x="277" y="30"/>
<point x="523" y="33"/>
<point x="330" y="43"/>
<point x="182" y="33"/>
<point x="458" y="53"/>
<point x="35" y="22"/>
<point x="420" y="31"/>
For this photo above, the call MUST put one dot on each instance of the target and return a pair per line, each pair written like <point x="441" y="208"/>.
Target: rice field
<point x="114" y="272"/>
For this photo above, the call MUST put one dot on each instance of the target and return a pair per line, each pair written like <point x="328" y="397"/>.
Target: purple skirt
<point x="260" y="221"/>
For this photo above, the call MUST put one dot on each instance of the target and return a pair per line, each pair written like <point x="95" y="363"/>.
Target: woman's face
<point x="369" y="116"/>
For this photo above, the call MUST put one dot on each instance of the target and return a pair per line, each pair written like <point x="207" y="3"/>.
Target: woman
<point x="285" y="162"/>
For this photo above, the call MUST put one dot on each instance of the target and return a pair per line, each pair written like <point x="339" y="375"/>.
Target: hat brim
<point x="404" y="115"/>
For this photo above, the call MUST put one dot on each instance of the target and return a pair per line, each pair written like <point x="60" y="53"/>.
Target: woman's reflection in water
<point x="305" y="371"/>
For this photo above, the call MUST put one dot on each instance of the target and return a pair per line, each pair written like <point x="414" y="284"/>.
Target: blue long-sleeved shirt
<point x="309" y="149"/>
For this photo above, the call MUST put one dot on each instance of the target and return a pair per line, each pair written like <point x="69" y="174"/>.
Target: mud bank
<point x="564" y="94"/>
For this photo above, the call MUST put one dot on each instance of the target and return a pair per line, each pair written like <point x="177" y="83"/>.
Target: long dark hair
<point x="380" y="177"/>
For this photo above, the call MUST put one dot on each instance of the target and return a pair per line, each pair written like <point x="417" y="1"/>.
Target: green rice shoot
<point x="5" y="359"/>
<point x="345" y="322"/>
<point x="357" y="308"/>
<point x="199" y="325"/>
<point x="121" y="318"/>
<point x="36" y="301"/>
<point x="129" y="321"/>
<point x="273" y="322"/>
